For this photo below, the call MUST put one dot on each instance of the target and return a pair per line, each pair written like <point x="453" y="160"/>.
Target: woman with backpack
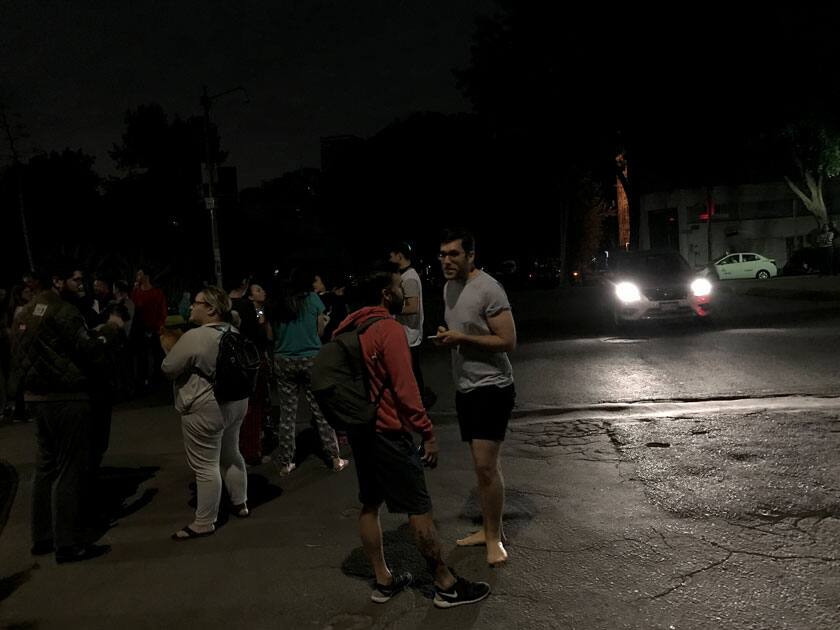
<point x="210" y="427"/>
<point x="298" y="319"/>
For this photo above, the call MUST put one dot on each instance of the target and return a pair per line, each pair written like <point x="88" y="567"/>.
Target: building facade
<point x="767" y="219"/>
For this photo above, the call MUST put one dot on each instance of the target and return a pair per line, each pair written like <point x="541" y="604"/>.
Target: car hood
<point x="656" y="280"/>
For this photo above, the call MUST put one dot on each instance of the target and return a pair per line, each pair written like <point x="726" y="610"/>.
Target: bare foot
<point x="496" y="554"/>
<point x="474" y="539"/>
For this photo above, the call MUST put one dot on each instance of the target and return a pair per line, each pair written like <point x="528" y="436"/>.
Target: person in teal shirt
<point x="298" y="319"/>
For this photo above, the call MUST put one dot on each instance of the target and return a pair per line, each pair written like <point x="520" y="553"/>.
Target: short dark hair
<point x="368" y="292"/>
<point x="459" y="234"/>
<point x="42" y="278"/>
<point x="62" y="269"/>
<point x="121" y="286"/>
<point x="402" y="248"/>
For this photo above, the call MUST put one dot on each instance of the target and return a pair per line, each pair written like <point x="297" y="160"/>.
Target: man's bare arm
<point x="502" y="337"/>
<point x="411" y="306"/>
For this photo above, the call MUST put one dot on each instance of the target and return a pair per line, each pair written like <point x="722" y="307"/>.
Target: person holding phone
<point x="480" y="331"/>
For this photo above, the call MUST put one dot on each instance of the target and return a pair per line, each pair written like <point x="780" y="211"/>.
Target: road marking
<point x="631" y="412"/>
<point x="624" y="340"/>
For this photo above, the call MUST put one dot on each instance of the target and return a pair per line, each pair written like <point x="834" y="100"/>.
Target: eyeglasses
<point x="202" y="302"/>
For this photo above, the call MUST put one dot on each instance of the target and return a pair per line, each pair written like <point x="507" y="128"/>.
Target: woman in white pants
<point x="211" y="429"/>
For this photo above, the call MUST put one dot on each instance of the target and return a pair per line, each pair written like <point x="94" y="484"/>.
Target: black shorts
<point x="484" y="413"/>
<point x="389" y="469"/>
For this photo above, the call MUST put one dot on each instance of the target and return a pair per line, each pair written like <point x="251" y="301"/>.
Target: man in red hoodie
<point x="388" y="466"/>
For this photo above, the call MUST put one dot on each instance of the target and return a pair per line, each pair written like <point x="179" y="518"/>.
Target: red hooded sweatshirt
<point x="388" y="360"/>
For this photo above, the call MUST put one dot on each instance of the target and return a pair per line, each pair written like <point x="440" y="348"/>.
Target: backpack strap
<point x="369" y="323"/>
<point x="387" y="382"/>
<point x="224" y="328"/>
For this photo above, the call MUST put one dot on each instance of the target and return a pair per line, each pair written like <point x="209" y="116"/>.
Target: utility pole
<point x="18" y="168"/>
<point x="210" y="166"/>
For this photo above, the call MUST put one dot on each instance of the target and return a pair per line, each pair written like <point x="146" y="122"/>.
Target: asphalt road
<point x="571" y="355"/>
<point x="665" y="477"/>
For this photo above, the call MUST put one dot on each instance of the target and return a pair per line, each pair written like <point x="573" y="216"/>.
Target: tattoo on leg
<point x="429" y="548"/>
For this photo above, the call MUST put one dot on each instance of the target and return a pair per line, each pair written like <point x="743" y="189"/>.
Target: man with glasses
<point x="480" y="331"/>
<point x="56" y="365"/>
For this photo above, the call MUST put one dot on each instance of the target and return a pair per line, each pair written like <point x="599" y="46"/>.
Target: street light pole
<point x="210" y="166"/>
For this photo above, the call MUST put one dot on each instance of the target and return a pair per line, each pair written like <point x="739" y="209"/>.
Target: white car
<point x="745" y="265"/>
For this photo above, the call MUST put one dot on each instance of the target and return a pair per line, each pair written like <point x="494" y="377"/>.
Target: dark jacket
<point x="54" y="356"/>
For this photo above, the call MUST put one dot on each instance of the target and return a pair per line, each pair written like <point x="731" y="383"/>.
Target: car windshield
<point x="647" y="263"/>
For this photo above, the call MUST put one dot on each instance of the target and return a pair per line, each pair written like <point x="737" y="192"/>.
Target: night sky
<point x="71" y="70"/>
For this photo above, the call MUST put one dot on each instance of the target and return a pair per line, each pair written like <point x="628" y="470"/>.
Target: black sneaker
<point x="78" y="553"/>
<point x="382" y="594"/>
<point x="460" y="593"/>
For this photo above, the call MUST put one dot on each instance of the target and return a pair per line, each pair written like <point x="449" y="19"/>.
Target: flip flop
<point x="188" y="533"/>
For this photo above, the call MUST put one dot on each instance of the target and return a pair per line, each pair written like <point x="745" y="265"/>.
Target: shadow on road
<point x="117" y="494"/>
<point x="260" y="492"/>
<point x="400" y="553"/>
<point x="10" y="584"/>
<point x="8" y="490"/>
<point x="519" y="511"/>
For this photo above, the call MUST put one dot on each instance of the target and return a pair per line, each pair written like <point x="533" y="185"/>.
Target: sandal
<point x="188" y="533"/>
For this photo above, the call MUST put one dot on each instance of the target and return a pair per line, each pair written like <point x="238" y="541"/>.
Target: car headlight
<point x="627" y="292"/>
<point x="701" y="287"/>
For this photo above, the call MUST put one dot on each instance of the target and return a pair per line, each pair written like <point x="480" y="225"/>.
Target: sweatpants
<point x="211" y="439"/>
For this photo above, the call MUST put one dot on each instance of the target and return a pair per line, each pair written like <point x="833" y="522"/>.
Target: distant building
<point x="763" y="218"/>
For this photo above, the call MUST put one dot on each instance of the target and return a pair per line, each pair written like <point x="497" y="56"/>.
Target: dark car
<point x="653" y="285"/>
<point x="802" y="261"/>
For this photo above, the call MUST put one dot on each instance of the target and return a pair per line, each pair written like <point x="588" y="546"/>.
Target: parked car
<point x="649" y="285"/>
<point x="802" y="261"/>
<point x="745" y="265"/>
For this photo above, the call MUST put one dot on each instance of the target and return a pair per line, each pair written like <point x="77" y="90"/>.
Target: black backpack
<point x="237" y="365"/>
<point x="340" y="381"/>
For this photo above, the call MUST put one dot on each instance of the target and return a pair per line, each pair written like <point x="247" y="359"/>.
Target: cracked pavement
<point x="735" y="523"/>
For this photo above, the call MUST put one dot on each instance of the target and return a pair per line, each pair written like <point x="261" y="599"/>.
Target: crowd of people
<point x="70" y="354"/>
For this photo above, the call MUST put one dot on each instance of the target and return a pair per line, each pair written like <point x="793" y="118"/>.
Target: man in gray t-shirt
<point x="480" y="331"/>
<point x="411" y="317"/>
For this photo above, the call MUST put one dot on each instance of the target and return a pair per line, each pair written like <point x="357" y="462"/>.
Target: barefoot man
<point x="480" y="331"/>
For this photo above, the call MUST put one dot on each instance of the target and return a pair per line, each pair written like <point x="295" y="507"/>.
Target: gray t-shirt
<point x="413" y="324"/>
<point x="468" y="305"/>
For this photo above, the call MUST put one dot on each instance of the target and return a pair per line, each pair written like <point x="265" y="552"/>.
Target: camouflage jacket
<point x="54" y="356"/>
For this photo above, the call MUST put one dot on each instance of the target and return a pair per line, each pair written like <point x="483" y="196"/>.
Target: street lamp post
<point x="210" y="166"/>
